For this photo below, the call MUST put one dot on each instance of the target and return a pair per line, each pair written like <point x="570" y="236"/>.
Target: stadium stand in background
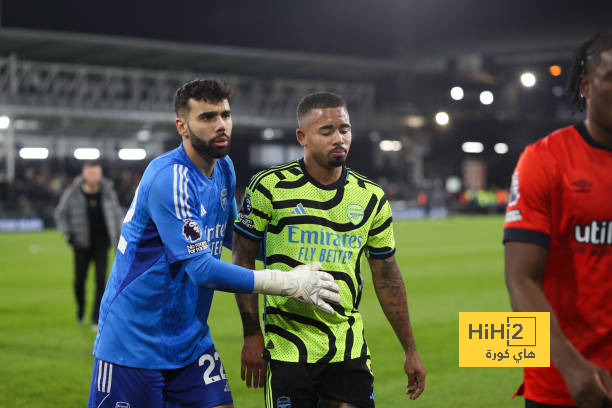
<point x="448" y="125"/>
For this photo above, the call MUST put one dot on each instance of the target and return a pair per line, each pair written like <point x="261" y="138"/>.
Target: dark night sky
<point x="380" y="28"/>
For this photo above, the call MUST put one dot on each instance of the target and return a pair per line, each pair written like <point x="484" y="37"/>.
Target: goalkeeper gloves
<point x="306" y="283"/>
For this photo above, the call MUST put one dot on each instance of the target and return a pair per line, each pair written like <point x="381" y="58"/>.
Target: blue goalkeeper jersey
<point x="153" y="315"/>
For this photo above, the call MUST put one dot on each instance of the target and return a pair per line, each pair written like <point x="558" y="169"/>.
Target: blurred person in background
<point x="317" y="209"/>
<point x="558" y="242"/>
<point x="89" y="217"/>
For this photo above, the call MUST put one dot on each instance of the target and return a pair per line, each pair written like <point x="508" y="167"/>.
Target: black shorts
<point x="299" y="385"/>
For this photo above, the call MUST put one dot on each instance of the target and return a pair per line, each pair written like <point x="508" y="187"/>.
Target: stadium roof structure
<point x="101" y="74"/>
<point x="107" y="50"/>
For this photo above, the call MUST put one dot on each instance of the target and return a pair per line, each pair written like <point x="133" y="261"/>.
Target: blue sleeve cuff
<point x="212" y="273"/>
<point x="242" y="231"/>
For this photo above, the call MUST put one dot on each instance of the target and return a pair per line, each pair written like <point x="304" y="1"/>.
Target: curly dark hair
<point x="587" y="57"/>
<point x="208" y="90"/>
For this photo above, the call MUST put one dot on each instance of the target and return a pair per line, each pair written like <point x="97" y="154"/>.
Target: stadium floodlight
<point x="500" y="148"/>
<point x="268" y="134"/>
<point x="34" y="153"/>
<point x="442" y="118"/>
<point x="5" y="121"/>
<point x="453" y="184"/>
<point x="456" y="93"/>
<point x="528" y="79"/>
<point x="86" y="153"/>
<point x="143" y="135"/>
<point x="486" y="97"/>
<point x="555" y="70"/>
<point x="414" y="121"/>
<point x="472" y="147"/>
<point x="390" y="145"/>
<point x="132" y="154"/>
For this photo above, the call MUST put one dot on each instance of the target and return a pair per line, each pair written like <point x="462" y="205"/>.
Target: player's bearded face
<point x="326" y="160"/>
<point x="213" y="147"/>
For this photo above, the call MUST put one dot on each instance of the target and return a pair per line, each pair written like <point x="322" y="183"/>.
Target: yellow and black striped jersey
<point x="299" y="221"/>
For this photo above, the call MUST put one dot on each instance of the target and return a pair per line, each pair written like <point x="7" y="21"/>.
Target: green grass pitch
<point x="449" y="266"/>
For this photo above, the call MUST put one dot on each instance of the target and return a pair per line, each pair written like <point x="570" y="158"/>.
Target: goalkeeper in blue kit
<point x="154" y="348"/>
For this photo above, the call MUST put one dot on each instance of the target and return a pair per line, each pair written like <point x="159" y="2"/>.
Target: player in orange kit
<point x="558" y="242"/>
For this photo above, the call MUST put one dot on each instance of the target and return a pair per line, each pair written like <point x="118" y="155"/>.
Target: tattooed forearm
<point x="391" y="293"/>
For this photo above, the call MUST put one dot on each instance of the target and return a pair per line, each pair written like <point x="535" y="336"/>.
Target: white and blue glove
<point x="305" y="283"/>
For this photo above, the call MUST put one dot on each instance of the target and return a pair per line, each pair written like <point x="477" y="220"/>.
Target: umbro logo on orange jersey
<point x="583" y="186"/>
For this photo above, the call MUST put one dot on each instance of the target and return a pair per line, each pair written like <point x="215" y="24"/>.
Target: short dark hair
<point x="209" y="90"/>
<point x="92" y="163"/>
<point x="587" y="58"/>
<point x="318" y="100"/>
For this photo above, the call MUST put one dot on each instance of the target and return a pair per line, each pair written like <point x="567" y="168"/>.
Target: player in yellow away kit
<point x="317" y="210"/>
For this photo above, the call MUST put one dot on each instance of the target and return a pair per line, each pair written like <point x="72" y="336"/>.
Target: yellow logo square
<point x="504" y="339"/>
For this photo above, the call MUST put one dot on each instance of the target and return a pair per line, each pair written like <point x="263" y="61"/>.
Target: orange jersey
<point x="561" y="198"/>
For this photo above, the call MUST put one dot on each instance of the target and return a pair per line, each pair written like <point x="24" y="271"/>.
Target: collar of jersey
<point x="191" y="164"/>
<point x="333" y="186"/>
<point x="582" y="130"/>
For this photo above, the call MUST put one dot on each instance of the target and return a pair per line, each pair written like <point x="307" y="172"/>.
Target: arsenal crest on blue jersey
<point x="224" y="199"/>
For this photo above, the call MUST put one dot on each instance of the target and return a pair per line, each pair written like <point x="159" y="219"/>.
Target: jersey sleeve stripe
<point x="262" y="174"/>
<point x="302" y="181"/>
<point x="186" y="194"/>
<point x="528" y="236"/>
<point x="174" y="192"/>
<point x="381" y="255"/>
<point x="261" y="214"/>
<point x="363" y="178"/>
<point x="380" y="251"/>
<point x="381" y="228"/>
<point x="296" y="171"/>
<point x="180" y="191"/>
<point x="247" y="234"/>
<point x="381" y="203"/>
<point x="181" y="198"/>
<point x="264" y="191"/>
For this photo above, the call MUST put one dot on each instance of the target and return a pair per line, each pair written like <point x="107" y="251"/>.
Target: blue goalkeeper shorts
<point x="201" y="384"/>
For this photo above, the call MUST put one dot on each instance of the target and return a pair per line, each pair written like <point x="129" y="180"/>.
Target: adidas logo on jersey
<point x="299" y="210"/>
<point x="596" y="233"/>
